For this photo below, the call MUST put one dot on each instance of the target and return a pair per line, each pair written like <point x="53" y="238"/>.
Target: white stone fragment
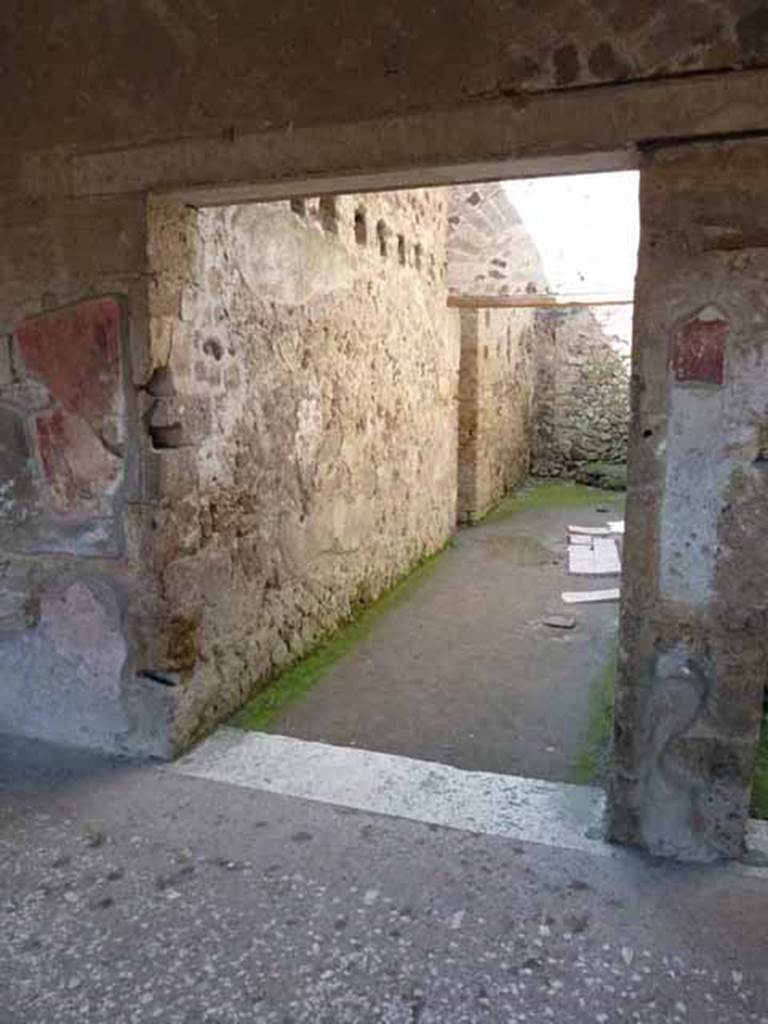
<point x="590" y="596"/>
<point x="602" y="559"/>
<point x="553" y="814"/>
<point x="591" y="531"/>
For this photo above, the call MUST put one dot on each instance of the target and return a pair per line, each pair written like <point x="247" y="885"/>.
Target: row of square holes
<point x="329" y="222"/>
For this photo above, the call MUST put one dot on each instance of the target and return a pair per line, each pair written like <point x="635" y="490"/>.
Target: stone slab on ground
<point x="601" y="558"/>
<point x="560" y="621"/>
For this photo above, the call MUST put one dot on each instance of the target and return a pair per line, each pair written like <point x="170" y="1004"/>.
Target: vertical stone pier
<point x="78" y="487"/>
<point x="694" y="630"/>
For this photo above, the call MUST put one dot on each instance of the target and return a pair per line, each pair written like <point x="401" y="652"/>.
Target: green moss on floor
<point x="536" y="494"/>
<point x="611" y="476"/>
<point x="262" y="709"/>
<point x="759" y="807"/>
<point x="592" y="766"/>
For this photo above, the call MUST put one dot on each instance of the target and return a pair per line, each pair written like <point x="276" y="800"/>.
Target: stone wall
<point x="223" y="431"/>
<point x="491" y="254"/>
<point x="489" y="249"/>
<point x="495" y="397"/>
<point x="74" y="501"/>
<point x="581" y="404"/>
<point x="694" y="644"/>
<point x="304" y="417"/>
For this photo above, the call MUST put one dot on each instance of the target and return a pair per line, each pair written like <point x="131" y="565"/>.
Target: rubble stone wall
<point x="495" y="399"/>
<point x="581" y="405"/>
<point x="489" y="249"/>
<point x="304" y="417"/>
<point x="490" y="253"/>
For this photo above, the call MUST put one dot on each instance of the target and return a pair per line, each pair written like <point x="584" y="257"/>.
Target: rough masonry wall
<point x="305" y="419"/>
<point x="490" y="253"/>
<point x="581" y="404"/>
<point x="495" y="399"/>
<point x="694" y="643"/>
<point x="489" y="249"/>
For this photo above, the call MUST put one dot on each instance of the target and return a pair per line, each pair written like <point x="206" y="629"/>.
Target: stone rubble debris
<point x="560" y="621"/>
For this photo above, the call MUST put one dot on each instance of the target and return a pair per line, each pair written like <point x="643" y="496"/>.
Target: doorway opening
<point x="362" y="374"/>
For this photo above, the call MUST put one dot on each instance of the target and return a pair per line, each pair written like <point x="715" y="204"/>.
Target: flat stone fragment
<point x="580" y="540"/>
<point x="560" y="621"/>
<point x="590" y="596"/>
<point x="602" y="559"/>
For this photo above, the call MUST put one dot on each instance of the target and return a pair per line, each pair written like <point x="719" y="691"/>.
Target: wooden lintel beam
<point x="534" y="301"/>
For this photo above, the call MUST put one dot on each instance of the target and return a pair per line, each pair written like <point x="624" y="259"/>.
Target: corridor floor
<point x="273" y="880"/>
<point x="464" y="671"/>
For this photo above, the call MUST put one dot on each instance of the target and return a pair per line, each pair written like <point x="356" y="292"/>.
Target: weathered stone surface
<point x="18" y="496"/>
<point x="67" y="528"/>
<point x="407" y="57"/>
<point x="489" y="249"/>
<point x="76" y="353"/>
<point x="694" y="640"/>
<point x="495" y="397"/>
<point x="63" y="675"/>
<point x="179" y="420"/>
<point x="326" y="464"/>
<point x="581" y="394"/>
<point x="79" y="473"/>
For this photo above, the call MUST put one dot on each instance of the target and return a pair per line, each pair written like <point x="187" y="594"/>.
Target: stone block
<point x="17" y="609"/>
<point x="179" y="420"/>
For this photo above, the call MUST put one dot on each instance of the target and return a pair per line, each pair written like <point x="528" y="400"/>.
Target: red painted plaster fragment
<point x="699" y="350"/>
<point x="76" y="352"/>
<point x="79" y="471"/>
